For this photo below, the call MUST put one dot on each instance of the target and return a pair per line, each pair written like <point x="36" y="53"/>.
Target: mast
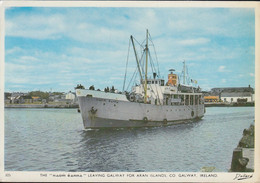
<point x="138" y="65"/>
<point x="184" y="69"/>
<point x="146" y="65"/>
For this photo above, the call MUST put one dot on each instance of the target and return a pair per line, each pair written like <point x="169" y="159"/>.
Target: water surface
<point x="54" y="140"/>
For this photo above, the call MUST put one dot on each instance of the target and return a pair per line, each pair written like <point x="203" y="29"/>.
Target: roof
<point x="27" y="97"/>
<point x="236" y="94"/>
<point x="71" y="93"/>
<point x="35" y="97"/>
<point x="234" y="89"/>
<point x="17" y="94"/>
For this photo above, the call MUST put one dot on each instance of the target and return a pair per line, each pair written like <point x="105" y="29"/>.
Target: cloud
<point x="223" y="80"/>
<point x="36" y="26"/>
<point x="194" y="42"/>
<point x="13" y="50"/>
<point x="62" y="46"/>
<point x="223" y="68"/>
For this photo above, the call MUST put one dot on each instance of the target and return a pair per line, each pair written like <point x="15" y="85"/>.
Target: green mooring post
<point x="235" y="165"/>
<point x="238" y="162"/>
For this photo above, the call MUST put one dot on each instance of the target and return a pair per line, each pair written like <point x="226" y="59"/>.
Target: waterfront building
<point x="16" y="97"/>
<point x="70" y="95"/>
<point x="211" y="98"/>
<point x="36" y="99"/>
<point x="234" y="94"/>
<point x="7" y="98"/>
<point x="218" y="91"/>
<point x="26" y="99"/>
<point x="233" y="97"/>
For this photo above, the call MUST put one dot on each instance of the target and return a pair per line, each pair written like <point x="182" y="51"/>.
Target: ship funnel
<point x="172" y="78"/>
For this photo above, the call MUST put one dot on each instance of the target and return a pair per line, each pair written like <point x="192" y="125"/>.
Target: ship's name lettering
<point x="75" y="175"/>
<point x="98" y="99"/>
<point x="59" y="175"/>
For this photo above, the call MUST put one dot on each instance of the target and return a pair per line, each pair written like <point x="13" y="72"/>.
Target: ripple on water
<point x="56" y="141"/>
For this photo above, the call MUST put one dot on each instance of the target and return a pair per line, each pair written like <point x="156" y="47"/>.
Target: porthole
<point x="145" y="119"/>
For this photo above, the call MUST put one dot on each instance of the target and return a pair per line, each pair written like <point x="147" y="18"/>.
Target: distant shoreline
<point x="41" y="106"/>
<point x="77" y="106"/>
<point x="221" y="104"/>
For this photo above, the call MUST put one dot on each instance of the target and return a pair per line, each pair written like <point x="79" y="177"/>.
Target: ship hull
<point x="109" y="113"/>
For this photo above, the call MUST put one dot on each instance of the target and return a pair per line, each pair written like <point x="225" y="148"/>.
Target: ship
<point x="149" y="103"/>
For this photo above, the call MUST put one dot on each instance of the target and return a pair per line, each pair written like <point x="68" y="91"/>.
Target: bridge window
<point x="186" y="99"/>
<point x="162" y="82"/>
<point x="196" y="99"/>
<point x="191" y="100"/>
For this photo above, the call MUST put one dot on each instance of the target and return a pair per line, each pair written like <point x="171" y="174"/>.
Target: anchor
<point x="93" y="111"/>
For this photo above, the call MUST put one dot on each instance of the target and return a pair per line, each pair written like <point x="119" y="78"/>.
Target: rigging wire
<point x="188" y="77"/>
<point x="126" y="64"/>
<point x="139" y="43"/>
<point x="155" y="55"/>
<point x="141" y="62"/>
<point x="157" y="97"/>
<point x="151" y="62"/>
<point x="134" y="75"/>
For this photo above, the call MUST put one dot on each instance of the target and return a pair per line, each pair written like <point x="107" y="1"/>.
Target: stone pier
<point x="243" y="155"/>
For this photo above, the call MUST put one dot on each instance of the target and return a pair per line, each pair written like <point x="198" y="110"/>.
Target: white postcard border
<point x="25" y="176"/>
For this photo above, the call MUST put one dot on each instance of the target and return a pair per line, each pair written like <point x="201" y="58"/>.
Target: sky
<point x="54" y="49"/>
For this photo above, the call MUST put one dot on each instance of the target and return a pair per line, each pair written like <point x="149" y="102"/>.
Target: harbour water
<point x="54" y="140"/>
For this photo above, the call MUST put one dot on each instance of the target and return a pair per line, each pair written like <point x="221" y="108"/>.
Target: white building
<point x="235" y="96"/>
<point x="70" y="96"/>
<point x="253" y="97"/>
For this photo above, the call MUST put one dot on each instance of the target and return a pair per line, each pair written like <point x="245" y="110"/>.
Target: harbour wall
<point x="243" y="154"/>
<point x="77" y="106"/>
<point x="41" y="106"/>
<point x="223" y="104"/>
